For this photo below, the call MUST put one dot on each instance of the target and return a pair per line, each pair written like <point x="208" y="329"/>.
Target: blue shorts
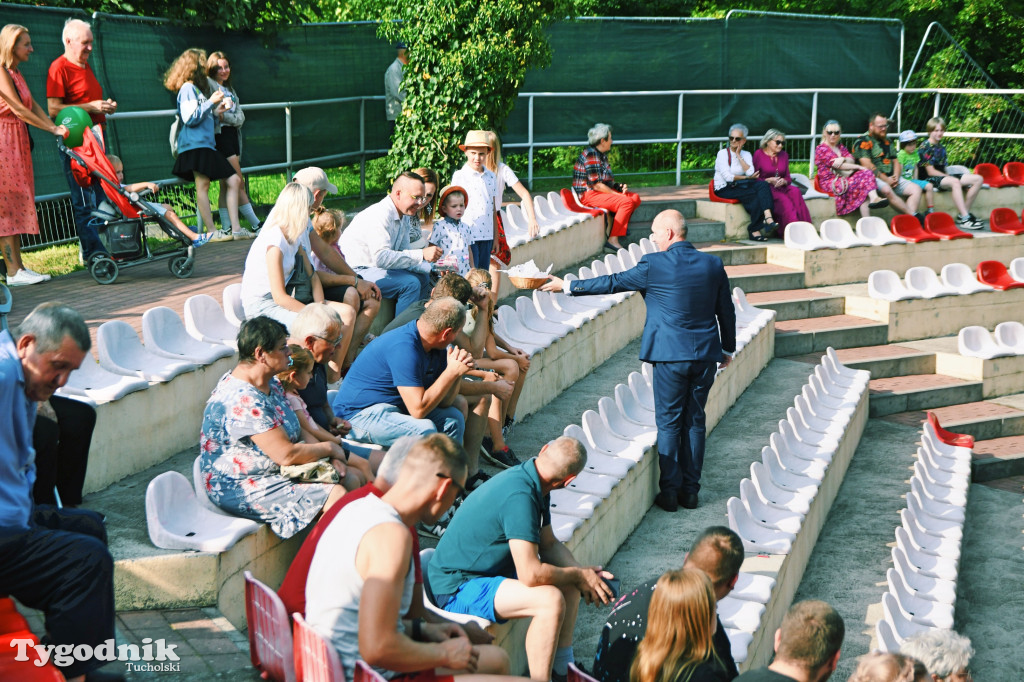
<point x="476" y="598"/>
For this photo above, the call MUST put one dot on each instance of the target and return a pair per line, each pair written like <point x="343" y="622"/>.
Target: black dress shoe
<point x="688" y="500"/>
<point x="666" y="501"/>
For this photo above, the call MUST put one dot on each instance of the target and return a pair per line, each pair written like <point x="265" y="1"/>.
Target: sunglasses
<point x="737" y="139"/>
<point x="330" y="342"/>
<point x="781" y="143"/>
<point x="461" y="490"/>
<point x="833" y="132"/>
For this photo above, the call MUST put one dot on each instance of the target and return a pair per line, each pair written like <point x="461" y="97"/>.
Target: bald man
<point x="499" y="558"/>
<point x="690" y="332"/>
<point x="376" y="244"/>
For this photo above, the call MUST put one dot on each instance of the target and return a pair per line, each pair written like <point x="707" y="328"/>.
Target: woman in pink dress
<point x="838" y="174"/>
<point x="17" y="186"/>
<point x="772" y="162"/>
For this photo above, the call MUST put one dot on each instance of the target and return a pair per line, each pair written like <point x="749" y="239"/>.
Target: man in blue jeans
<point x="406" y="382"/>
<point x="376" y="244"/>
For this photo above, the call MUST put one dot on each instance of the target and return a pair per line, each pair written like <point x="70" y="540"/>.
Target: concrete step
<point x="815" y="334"/>
<point x="985" y="419"/>
<point x="647" y="209"/>
<point x="735" y="253"/>
<point x="882" y="361"/>
<point x="796" y="304"/>
<point x="698" y="230"/>
<point x="920" y="392"/>
<point x="758" y="277"/>
<point x="997" y="458"/>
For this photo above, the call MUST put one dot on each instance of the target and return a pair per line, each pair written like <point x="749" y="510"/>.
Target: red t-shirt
<point x="74" y="84"/>
<point x="293" y="588"/>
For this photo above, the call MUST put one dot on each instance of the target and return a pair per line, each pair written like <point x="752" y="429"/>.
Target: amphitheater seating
<point x="802" y="235"/>
<point x="92" y="381"/>
<point x="995" y="274"/>
<point x="942" y="226"/>
<point x="924" y="283"/>
<point x="886" y="285"/>
<point x="1010" y="335"/>
<point x="316" y="659"/>
<point x="960" y="440"/>
<point x="819" y="188"/>
<point x="810" y="190"/>
<point x="425" y="556"/>
<point x="1006" y="221"/>
<point x="977" y="342"/>
<point x="165" y="335"/>
<point x="572" y="202"/>
<point x="959" y="277"/>
<point x="233" y="311"/>
<point x="908" y="227"/>
<point x="270" y="633"/>
<point x="991" y="175"/>
<point x="205" y="321"/>
<point x="1016" y="269"/>
<point x="14" y="626"/>
<point x="717" y="199"/>
<point x="176" y="519"/>
<point x="874" y="230"/>
<point x="838" y="233"/>
<point x="1014" y="172"/>
<point x="121" y="352"/>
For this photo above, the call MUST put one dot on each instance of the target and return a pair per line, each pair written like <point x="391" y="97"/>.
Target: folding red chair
<point x="942" y="226"/>
<point x="270" y="633"/>
<point x="908" y="227"/>
<point x="963" y="440"/>
<point x="1014" y="172"/>
<point x="990" y="174"/>
<point x="995" y="274"/>
<point x="316" y="659"/>
<point x="715" y="198"/>
<point x="577" y="675"/>
<point x="1005" y="220"/>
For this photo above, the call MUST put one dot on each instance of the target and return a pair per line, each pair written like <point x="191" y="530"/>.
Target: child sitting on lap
<point x="450" y="234"/>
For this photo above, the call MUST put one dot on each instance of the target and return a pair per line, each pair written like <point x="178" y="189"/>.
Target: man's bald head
<point x="561" y="459"/>
<point x="668" y="228"/>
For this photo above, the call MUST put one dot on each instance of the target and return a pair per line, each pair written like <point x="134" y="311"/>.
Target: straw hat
<point x="476" y="138"/>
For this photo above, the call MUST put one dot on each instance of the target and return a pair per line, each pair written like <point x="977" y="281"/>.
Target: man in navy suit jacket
<point x="690" y="331"/>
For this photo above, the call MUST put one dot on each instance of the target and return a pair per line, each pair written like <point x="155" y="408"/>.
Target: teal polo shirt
<point x="510" y="506"/>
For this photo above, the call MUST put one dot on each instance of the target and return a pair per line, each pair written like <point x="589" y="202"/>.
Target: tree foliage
<point x="467" y="61"/>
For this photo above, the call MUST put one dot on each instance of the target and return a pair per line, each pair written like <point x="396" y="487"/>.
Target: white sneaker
<point x="221" y="236"/>
<point x="24" y="278"/>
<point x="969" y="223"/>
<point x="242" y="235"/>
<point x="46" y="278"/>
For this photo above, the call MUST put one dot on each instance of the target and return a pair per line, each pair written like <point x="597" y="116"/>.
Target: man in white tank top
<point x="360" y="581"/>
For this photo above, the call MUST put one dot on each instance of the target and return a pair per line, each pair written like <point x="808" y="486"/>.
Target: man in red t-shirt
<point x="71" y="82"/>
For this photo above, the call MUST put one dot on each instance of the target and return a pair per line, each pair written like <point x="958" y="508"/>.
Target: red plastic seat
<point x="995" y="274"/>
<point x="316" y="659"/>
<point x="10" y="619"/>
<point x="963" y="440"/>
<point x="27" y="670"/>
<point x="572" y="202"/>
<point x="1005" y="220"/>
<point x="577" y="675"/>
<point x="989" y="172"/>
<point x="908" y="227"/>
<point x="942" y="226"/>
<point x="715" y="198"/>
<point x="817" y="186"/>
<point x="1014" y="172"/>
<point x="270" y="632"/>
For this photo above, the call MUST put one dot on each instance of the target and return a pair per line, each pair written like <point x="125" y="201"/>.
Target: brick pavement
<point x="822" y="323"/>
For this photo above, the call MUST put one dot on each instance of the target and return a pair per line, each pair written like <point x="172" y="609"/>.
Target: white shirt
<point x="481" y="187"/>
<point x="506" y="177"/>
<point x="379" y="238"/>
<point x="255" y="280"/>
<point x="727" y="167"/>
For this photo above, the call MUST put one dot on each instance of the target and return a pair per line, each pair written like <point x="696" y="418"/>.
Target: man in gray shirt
<point x="393" y="93"/>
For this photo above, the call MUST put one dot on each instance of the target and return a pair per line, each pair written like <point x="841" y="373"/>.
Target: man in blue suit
<point x="690" y="331"/>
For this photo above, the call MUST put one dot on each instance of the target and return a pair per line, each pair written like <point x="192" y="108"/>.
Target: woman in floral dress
<point x="852" y="184"/>
<point x="250" y="432"/>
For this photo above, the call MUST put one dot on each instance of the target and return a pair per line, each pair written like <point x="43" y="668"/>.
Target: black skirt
<point x="228" y="141"/>
<point x="205" y="161"/>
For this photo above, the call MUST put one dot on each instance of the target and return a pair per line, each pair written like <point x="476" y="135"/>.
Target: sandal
<point x="881" y="203"/>
<point x="759" y="238"/>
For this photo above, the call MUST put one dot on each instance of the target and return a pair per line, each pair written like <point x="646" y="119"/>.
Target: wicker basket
<point x="528" y="282"/>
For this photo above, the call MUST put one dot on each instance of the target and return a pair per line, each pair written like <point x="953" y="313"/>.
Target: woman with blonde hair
<point x="198" y="158"/>
<point x="423" y="221"/>
<point x="17" y="184"/>
<point x="501" y="254"/>
<point x="772" y="162"/>
<point x="880" y="667"/>
<point x="680" y="624"/>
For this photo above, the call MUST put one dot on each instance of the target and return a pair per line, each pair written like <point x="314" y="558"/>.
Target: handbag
<point x="300" y="284"/>
<point x="320" y="471"/>
<point x="839" y="185"/>
<point x="500" y="250"/>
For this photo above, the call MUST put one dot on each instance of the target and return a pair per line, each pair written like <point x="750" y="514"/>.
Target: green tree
<point x="467" y="61"/>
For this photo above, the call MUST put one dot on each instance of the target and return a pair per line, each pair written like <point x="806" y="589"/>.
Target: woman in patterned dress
<point x="852" y="184"/>
<point x="17" y="186"/>
<point x="249" y="432"/>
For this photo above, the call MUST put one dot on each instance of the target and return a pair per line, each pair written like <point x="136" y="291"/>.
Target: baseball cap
<point x="907" y="136"/>
<point x="315" y="178"/>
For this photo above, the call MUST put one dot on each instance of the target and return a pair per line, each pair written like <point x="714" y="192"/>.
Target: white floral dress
<point x="238" y="477"/>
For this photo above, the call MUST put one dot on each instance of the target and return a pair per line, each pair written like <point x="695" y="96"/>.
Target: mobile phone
<point x="613" y="585"/>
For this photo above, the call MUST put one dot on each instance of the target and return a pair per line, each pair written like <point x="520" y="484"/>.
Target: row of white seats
<point x="552" y="215"/>
<point x="772" y="504"/>
<point x="836" y="233"/>
<point x="922" y="282"/>
<point x="926" y="557"/>
<point x="1006" y="340"/>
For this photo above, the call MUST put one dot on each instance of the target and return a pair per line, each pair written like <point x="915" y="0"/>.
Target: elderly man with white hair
<point x="594" y="184"/>
<point x="946" y="654"/>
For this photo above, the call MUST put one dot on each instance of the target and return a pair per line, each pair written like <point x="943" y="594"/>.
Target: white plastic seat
<point x="919" y="609"/>
<point x="924" y="585"/>
<point x="509" y="326"/>
<point x="941" y="465"/>
<point x="559" y="208"/>
<point x="739" y="644"/>
<point x="753" y="587"/>
<point x="939" y="509"/>
<point x="164" y="334"/>
<point x="822" y="402"/>
<point x="795" y="465"/>
<point x="818" y="445"/>
<point x="631" y="409"/>
<point x="808" y="187"/>
<point x="800" y="416"/>
<point x="98" y="384"/>
<point x="801" y="235"/>
<point x="960" y="278"/>
<point x="622" y="427"/>
<point x="839" y="386"/>
<point x="765" y="514"/>
<point x="593" y="484"/>
<point x="939" y="477"/>
<point x="926" y="542"/>
<point x="925" y="283"/>
<point x="740" y="614"/>
<point x="121" y="352"/>
<point x="531" y="318"/>
<point x="599" y="462"/>
<point x="787" y="442"/>
<point x="627" y="259"/>
<point x="516" y="229"/>
<point x="544" y="301"/>
<point x="887" y="641"/>
<point x="938" y="493"/>
<point x="603" y="437"/>
<point x="1016" y="269"/>
<point x="902" y="627"/>
<point x="647" y="245"/>
<point x="756" y="538"/>
<point x="783" y="498"/>
<point x="426" y="555"/>
<point x="838" y="233"/>
<point x="874" y="230"/>
<point x="176" y="520"/>
<point x="932" y="442"/>
<point x="571" y="503"/>
<point x="832" y="358"/>
<point x="749" y="311"/>
<point x="563" y="526"/>
<point x="576" y="431"/>
<point x="976" y="342"/>
<point x="636" y="251"/>
<point x="547" y="221"/>
<point x="232" y="298"/>
<point x="199" y="487"/>
<point x="930" y="524"/>
<point x="589" y="306"/>
<point x="783" y="478"/>
<point x="944" y="568"/>
<point x="1010" y="335"/>
<point x="614" y="263"/>
<point x="205" y="321"/>
<point x="642" y="391"/>
<point x="886" y="285"/>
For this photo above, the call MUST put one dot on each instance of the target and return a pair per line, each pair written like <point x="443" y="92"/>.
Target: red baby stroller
<point x="121" y="220"/>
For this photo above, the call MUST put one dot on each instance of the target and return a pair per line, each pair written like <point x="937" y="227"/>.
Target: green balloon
<point x="76" y="120"/>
